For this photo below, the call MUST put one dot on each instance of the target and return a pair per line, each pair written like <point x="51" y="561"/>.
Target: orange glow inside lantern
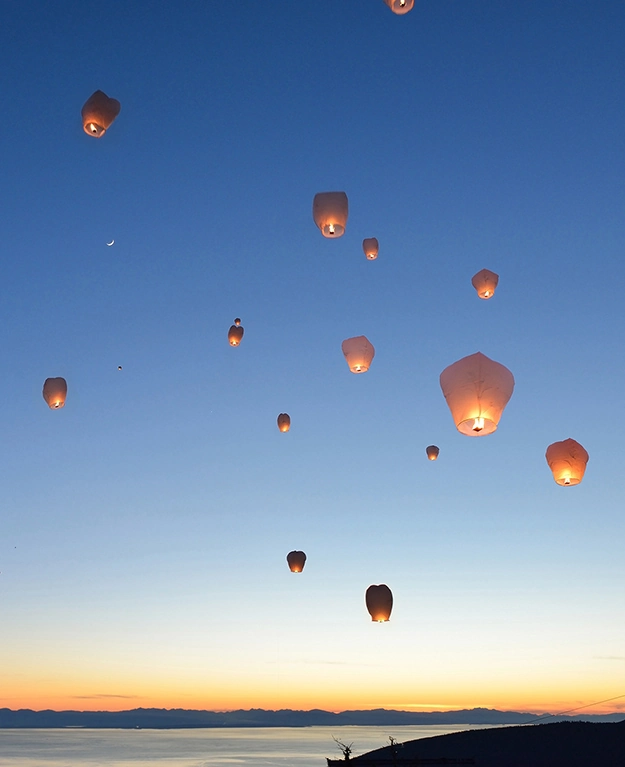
<point x="485" y="283"/>
<point x="567" y="461"/>
<point x="296" y="561"/>
<point x="284" y="422"/>
<point x="400" y="6"/>
<point x="98" y="113"/>
<point x="379" y="601"/>
<point x="371" y="248"/>
<point x="330" y="210"/>
<point x="235" y="334"/>
<point x="55" y="392"/>
<point x="359" y="353"/>
<point x="477" y="389"/>
<point x="432" y="452"/>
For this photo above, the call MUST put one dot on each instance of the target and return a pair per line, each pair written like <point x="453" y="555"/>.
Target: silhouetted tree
<point x="345" y="749"/>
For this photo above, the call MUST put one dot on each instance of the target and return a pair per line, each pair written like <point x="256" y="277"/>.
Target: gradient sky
<point x="145" y="526"/>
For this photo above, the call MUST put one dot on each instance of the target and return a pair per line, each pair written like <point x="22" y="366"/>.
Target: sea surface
<point x="215" y="747"/>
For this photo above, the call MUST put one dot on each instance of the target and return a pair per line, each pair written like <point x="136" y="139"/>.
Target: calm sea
<point x="246" y="747"/>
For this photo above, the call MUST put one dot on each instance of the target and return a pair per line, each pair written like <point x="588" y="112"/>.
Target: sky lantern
<point x="477" y="389"/>
<point x="379" y="601"/>
<point x="98" y="113"/>
<point x="235" y="334"/>
<point x="55" y="392"/>
<point x="485" y="283"/>
<point x="330" y="213"/>
<point x="358" y="352"/>
<point x="296" y="561"/>
<point x="432" y="452"/>
<point x="400" y="6"/>
<point x="567" y="461"/>
<point x="371" y="246"/>
<point x="284" y="422"/>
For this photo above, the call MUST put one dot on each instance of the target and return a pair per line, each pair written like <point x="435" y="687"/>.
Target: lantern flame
<point x="478" y="424"/>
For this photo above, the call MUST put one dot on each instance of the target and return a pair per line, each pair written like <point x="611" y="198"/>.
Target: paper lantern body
<point x="370" y="247"/>
<point x="358" y="352"/>
<point x="55" y="392"/>
<point x="330" y="213"/>
<point x="379" y="601"/>
<point x="432" y="452"/>
<point x="284" y="422"/>
<point x="296" y="561"/>
<point x="567" y="461"/>
<point x="98" y="113"/>
<point x="235" y="334"/>
<point x="477" y="389"/>
<point x="400" y="6"/>
<point x="485" y="283"/>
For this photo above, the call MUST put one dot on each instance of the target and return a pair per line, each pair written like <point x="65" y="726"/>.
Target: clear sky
<point x="145" y="526"/>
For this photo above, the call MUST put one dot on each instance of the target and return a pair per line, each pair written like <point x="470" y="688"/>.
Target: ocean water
<point x="220" y="747"/>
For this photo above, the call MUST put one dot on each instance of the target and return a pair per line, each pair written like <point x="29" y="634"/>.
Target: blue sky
<point x="146" y="525"/>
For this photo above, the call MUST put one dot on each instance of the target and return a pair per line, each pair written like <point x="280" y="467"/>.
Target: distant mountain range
<point x="161" y="718"/>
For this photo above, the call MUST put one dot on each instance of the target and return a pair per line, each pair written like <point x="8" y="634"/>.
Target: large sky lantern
<point x="358" y="352"/>
<point x="567" y="461"/>
<point x="98" y="113"/>
<point x="296" y="561"/>
<point x="330" y="213"/>
<point x="485" y="283"/>
<point x="379" y="601"/>
<point x="284" y="422"/>
<point x="54" y="392"/>
<point x="477" y="389"/>
<point x="400" y="6"/>
<point x="235" y="334"/>
<point x="432" y="452"/>
<point x="371" y="247"/>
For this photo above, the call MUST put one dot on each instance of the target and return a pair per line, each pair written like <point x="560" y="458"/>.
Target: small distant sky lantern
<point x="296" y="561"/>
<point x="432" y="452"/>
<point x="235" y="334"/>
<point x="98" y="113"/>
<point x="567" y="461"/>
<point x="55" y="392"/>
<point x="477" y="389"/>
<point x="379" y="601"/>
<point x="485" y="283"/>
<point x="330" y="213"/>
<point x="358" y="352"/>
<point x="284" y="422"/>
<point x="371" y="247"/>
<point x="400" y="6"/>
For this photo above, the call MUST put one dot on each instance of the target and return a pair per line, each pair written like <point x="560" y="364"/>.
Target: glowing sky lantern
<point x="296" y="561"/>
<point x="400" y="6"/>
<point x="55" y="392"/>
<point x="567" y="461"/>
<point x="284" y="422"/>
<point x="358" y="352"/>
<point x="379" y="601"/>
<point x="432" y="452"/>
<point x="370" y="247"/>
<point x="98" y="113"/>
<point x="235" y="334"/>
<point x="330" y="213"/>
<point x="485" y="283"/>
<point x="477" y="389"/>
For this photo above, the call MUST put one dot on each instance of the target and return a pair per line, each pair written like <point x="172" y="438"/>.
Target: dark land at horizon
<point x="159" y="718"/>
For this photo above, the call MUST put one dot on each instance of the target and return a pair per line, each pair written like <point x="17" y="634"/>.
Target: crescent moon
<point x="110" y="243"/>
